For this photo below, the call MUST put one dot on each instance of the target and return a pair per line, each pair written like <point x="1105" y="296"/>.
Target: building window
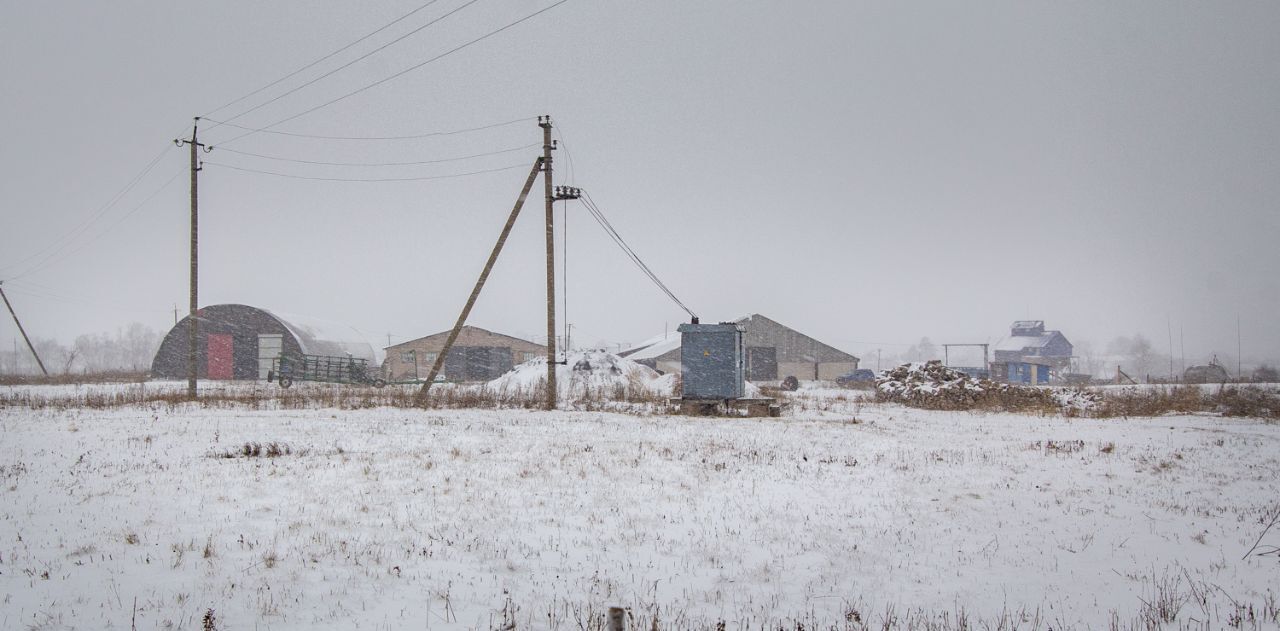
<point x="407" y="356"/>
<point x="429" y="358"/>
<point x="527" y="356"/>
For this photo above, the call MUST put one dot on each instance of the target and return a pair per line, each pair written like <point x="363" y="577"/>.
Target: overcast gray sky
<point x="867" y="173"/>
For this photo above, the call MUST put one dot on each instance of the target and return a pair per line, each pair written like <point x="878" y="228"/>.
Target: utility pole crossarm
<point x="564" y="193"/>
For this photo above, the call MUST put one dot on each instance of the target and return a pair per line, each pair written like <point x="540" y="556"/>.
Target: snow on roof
<point x="465" y="328"/>
<point x="1019" y="342"/>
<point x="325" y="337"/>
<point x="662" y="344"/>
<point x="654" y="347"/>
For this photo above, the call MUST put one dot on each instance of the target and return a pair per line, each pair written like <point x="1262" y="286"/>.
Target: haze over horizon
<point x="866" y="174"/>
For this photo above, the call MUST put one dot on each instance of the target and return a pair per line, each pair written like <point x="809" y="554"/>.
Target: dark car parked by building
<point x="856" y="378"/>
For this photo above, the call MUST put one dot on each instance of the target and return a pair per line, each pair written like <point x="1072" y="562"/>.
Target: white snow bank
<point x="585" y="374"/>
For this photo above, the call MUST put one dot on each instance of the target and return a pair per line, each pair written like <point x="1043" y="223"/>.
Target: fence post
<point x="617" y="621"/>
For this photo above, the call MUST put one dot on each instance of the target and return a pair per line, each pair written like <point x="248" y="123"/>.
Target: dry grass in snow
<point x="847" y="514"/>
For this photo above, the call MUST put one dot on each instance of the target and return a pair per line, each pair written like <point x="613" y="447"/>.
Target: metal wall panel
<point x="270" y="346"/>
<point x="762" y="363"/>
<point x="712" y="361"/>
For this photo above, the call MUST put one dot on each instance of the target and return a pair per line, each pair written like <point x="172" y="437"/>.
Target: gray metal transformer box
<point x="712" y="361"/>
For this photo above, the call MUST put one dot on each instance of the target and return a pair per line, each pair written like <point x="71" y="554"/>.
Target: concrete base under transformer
<point x="727" y="407"/>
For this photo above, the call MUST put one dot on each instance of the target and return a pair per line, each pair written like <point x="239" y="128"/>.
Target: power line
<point x="61" y="243"/>
<point x="263" y="130"/>
<point x="322" y="59"/>
<point x="595" y="212"/>
<point x="97" y="213"/>
<point x="567" y="153"/>
<point x="382" y="164"/>
<point x="69" y="299"/>
<point x="353" y="61"/>
<point x="121" y="220"/>
<point x="406" y="70"/>
<point x="354" y="179"/>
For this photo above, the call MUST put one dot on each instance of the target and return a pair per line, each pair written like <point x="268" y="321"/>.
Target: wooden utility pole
<point x="545" y="123"/>
<point x="23" y="332"/>
<point x="192" y="371"/>
<point x="475" y="292"/>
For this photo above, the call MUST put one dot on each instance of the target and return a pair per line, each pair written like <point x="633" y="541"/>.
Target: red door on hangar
<point x="218" y="356"/>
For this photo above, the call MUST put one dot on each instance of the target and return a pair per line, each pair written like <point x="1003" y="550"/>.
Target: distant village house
<point x="1030" y="354"/>
<point x="477" y="355"/>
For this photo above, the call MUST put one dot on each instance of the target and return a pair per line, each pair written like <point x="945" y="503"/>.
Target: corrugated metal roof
<point x="1019" y="342"/>
<point x="653" y="347"/>
<point x="662" y="344"/>
<point x="325" y="337"/>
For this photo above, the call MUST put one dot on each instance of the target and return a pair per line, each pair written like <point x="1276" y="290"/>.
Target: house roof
<point x="660" y="345"/>
<point x="1020" y="342"/>
<point x="653" y="347"/>
<point x="465" y="328"/>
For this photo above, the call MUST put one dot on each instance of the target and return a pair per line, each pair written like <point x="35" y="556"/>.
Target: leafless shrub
<point x="178" y="553"/>
<point x="1228" y="400"/>
<point x="1057" y="446"/>
<point x="1247" y="401"/>
<point x="1164" y="601"/>
<point x="632" y="397"/>
<point x="209" y="622"/>
<point x="112" y="376"/>
<point x="272" y="449"/>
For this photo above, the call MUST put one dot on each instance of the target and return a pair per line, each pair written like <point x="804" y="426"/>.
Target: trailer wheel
<point x="285" y="381"/>
<point x="378" y="383"/>
<point x="271" y="376"/>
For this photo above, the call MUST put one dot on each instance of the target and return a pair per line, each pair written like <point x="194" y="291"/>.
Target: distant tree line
<point x="130" y="348"/>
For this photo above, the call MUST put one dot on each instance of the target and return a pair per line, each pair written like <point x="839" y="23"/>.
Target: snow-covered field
<point x="845" y="513"/>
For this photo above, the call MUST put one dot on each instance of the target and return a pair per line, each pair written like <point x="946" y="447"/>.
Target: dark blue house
<point x="1030" y="354"/>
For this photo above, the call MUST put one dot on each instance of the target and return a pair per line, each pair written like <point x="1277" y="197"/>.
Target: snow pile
<point x="586" y="374"/>
<point x="932" y="386"/>
<point x="1074" y="401"/>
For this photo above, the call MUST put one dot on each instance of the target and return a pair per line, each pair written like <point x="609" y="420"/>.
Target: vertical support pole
<point x="1239" y="352"/>
<point x="192" y="370"/>
<point x="24" y="336"/>
<point x="545" y="123"/>
<point x="195" y="277"/>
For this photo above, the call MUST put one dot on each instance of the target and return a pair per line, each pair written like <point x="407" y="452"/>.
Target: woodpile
<point x="932" y="386"/>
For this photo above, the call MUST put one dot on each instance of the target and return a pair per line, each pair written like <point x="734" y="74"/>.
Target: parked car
<point x="859" y="377"/>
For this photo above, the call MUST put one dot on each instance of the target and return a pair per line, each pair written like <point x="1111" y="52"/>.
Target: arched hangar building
<point x="239" y="342"/>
